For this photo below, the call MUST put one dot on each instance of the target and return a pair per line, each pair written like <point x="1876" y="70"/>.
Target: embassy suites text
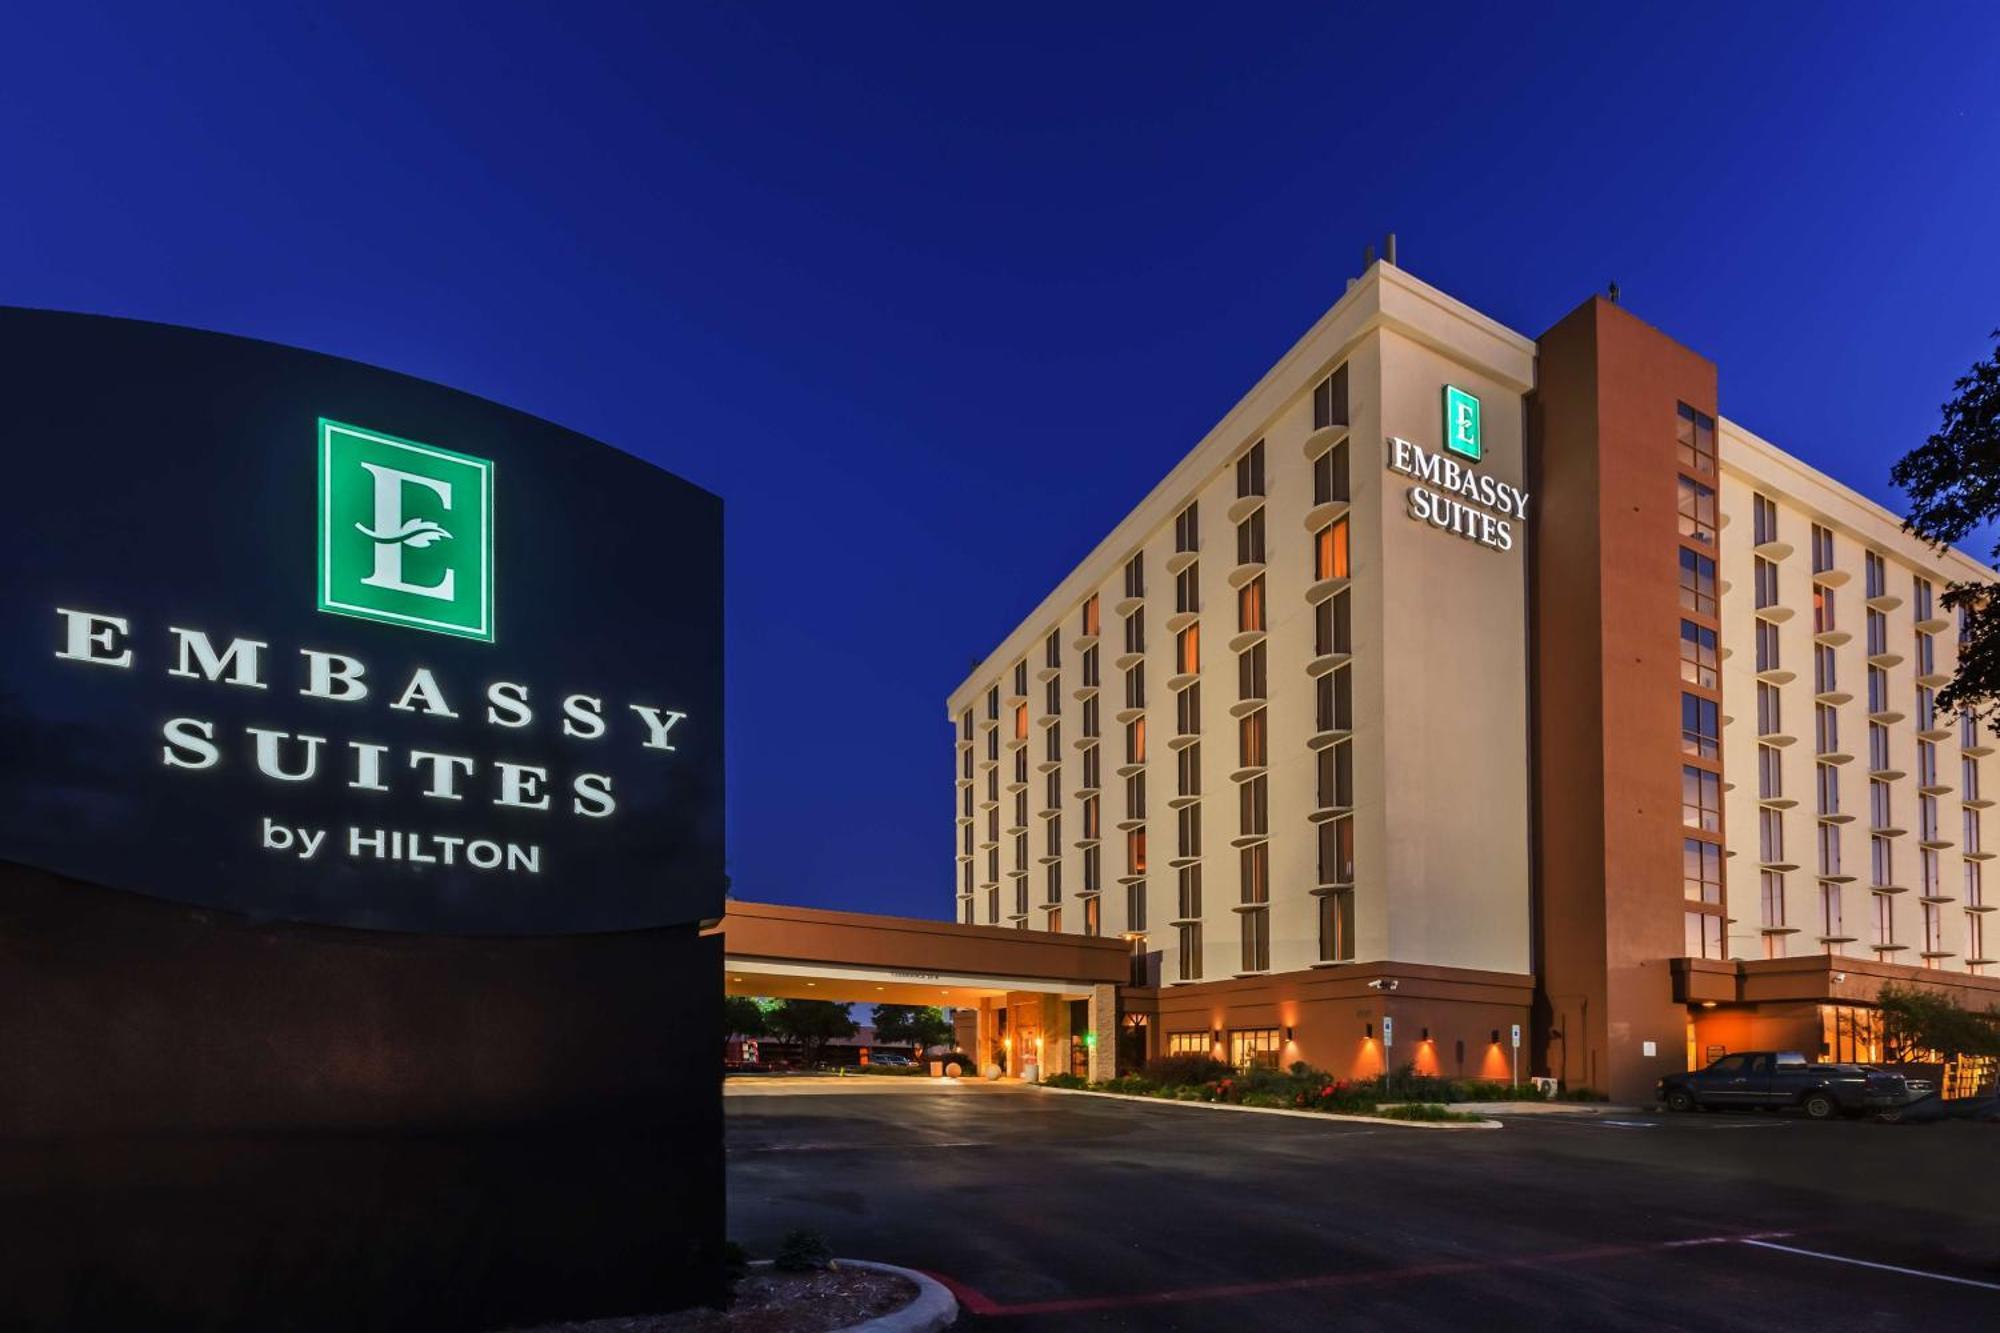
<point x="194" y="743"/>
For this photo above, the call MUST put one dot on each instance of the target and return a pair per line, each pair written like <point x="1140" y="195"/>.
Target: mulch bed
<point x="768" y="1301"/>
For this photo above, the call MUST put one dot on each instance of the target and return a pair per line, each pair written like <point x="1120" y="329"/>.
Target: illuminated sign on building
<point x="250" y="653"/>
<point x="1451" y="496"/>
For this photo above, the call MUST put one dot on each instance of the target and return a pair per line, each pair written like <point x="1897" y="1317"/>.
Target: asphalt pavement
<point x="1046" y="1211"/>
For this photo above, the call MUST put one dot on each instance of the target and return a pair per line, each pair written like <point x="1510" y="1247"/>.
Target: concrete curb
<point x="1280" y="1110"/>
<point x="933" y="1309"/>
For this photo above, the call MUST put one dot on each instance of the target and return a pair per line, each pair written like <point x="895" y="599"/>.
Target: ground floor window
<point x="1187" y="1043"/>
<point x="1850" y="1034"/>
<point x="1704" y="935"/>
<point x="1254" y="1048"/>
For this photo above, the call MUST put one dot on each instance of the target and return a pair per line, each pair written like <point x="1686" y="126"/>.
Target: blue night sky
<point x="932" y="294"/>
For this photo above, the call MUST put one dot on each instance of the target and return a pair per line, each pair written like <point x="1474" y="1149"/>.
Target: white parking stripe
<point x="1887" y="1268"/>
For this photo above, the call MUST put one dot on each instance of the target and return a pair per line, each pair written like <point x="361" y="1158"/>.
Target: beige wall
<point x="1439" y="669"/>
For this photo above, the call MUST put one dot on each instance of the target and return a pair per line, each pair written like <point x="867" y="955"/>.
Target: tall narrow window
<point x="1187" y="528"/>
<point x="1330" y="476"/>
<point x="1090" y="614"/>
<point x="1697" y="508"/>
<point x="1250" y="605"/>
<point x="1187" y="651"/>
<point x="1696" y="440"/>
<point x="1698" y="655"/>
<point x="1697" y="582"/>
<point x="1250" y="673"/>
<point x="1330" y="400"/>
<point x="1764" y="519"/>
<point x="1250" y="538"/>
<point x="1330" y="555"/>
<point x="1336" y="927"/>
<point x="1250" y="472"/>
<point x="1251" y="752"/>
<point x="1701" y="727"/>
<point x="1822" y="549"/>
<point x="1876" y="573"/>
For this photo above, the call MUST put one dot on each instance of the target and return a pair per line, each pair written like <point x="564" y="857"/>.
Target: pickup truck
<point x="1783" y="1079"/>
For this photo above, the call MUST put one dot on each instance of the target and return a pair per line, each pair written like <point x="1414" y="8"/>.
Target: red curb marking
<point x="977" y="1302"/>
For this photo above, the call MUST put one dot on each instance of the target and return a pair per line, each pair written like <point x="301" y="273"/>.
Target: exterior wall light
<point x="1288" y="1034"/>
<point x="1215" y="1037"/>
<point x="1496" y="1036"/>
<point x="1426" y="1035"/>
<point x="1368" y="1030"/>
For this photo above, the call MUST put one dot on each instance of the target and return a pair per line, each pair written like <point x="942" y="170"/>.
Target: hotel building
<point x="1488" y="703"/>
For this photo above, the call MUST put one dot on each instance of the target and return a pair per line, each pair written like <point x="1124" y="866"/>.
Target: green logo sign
<point x="1461" y="422"/>
<point x="405" y="532"/>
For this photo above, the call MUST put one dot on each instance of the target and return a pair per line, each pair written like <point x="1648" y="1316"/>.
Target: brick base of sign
<point x="218" y="1124"/>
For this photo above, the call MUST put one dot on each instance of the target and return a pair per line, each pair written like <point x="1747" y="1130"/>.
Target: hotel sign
<point x="306" y="640"/>
<point x="1449" y="494"/>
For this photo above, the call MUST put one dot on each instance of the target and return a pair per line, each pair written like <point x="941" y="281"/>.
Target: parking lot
<point x="1047" y="1211"/>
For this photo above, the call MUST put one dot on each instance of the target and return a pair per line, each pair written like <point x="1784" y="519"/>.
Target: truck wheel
<point x="1680" y="1099"/>
<point x="1819" y="1106"/>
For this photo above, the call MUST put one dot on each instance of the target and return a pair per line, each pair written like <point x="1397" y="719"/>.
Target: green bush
<point x="1065" y="1081"/>
<point x="1176" y="1071"/>
<point x="1129" y="1084"/>
<point x="802" y="1251"/>
<point x="1256" y="1098"/>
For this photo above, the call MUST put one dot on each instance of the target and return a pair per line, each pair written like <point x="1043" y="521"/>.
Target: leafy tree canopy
<point x="1953" y="484"/>
<point x="743" y="1017"/>
<point x="1919" y="1019"/>
<point x="810" y="1024"/>
<point x="921" y="1025"/>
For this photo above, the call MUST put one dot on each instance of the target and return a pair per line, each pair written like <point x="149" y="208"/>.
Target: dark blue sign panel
<point x="308" y="640"/>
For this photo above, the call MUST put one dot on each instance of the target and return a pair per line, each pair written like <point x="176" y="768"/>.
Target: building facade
<point x="1490" y="704"/>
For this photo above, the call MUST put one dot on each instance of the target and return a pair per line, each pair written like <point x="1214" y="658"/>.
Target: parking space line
<point x="1869" y="1263"/>
<point x="977" y="1302"/>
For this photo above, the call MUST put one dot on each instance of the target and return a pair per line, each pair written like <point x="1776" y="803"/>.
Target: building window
<point x="1331" y="626"/>
<point x="1255" y="812"/>
<point x="1093" y="919"/>
<point x="1884" y="936"/>
<point x="1766" y="580"/>
<point x="1187" y="528"/>
<point x="1881" y="861"/>
<point x="1770" y="773"/>
<point x="1336" y="851"/>
<point x="1771" y="893"/>
<point x="1187" y="763"/>
<point x="1824" y="678"/>
<point x="1767" y="646"/>
<point x="1826" y="729"/>
<point x="1698" y="655"/>
<point x="1878" y="747"/>
<point x="1251" y="751"/>
<point x="1254" y="1048"/>
<point x="1330" y="476"/>
<point x="1251" y="677"/>
<point x="1135" y="741"/>
<point x="1257" y="939"/>
<point x="1697" y="582"/>
<point x="1188" y="826"/>
<point x="1975" y="942"/>
<point x="1052" y="879"/>
<point x="1187" y="709"/>
<point x="1135" y="852"/>
<point x="1090" y="677"/>
<point x="1135" y="575"/>
<point x="1829" y="916"/>
<point x="1135" y="631"/>
<point x="1922" y="588"/>
<point x="1336" y="927"/>
<point x="1187" y="651"/>
<point x="1875" y="574"/>
<point x="1764" y="519"/>
<point x="1330" y="400"/>
<point x="1697" y="508"/>
<point x="1823" y="611"/>
<point x="1250" y="472"/>
<point x="1090" y="614"/>
<point x="1704" y="935"/>
<point x="1135" y="796"/>
<point x="1187" y="590"/>
<point x="1189" y="1043"/>
<point x="1701" y="871"/>
<point x="1335" y="783"/>
<point x="1250" y="605"/>
<point x="1250" y="538"/>
<point x="1696" y="440"/>
<point x="1770" y="837"/>
<point x="1829" y="850"/>
<point x="1933" y="932"/>
<point x="1701" y="726"/>
<point x="1092" y="829"/>
<point x="1770" y="721"/>
<point x="1926" y="654"/>
<point x="1878" y="690"/>
<point x="1190" y="892"/>
<point x="1877" y="630"/>
<point x="1052" y="921"/>
<point x="1256" y="870"/>
<point x="1330" y="557"/>
<point x="1878" y="804"/>
<point x="1822" y="549"/>
<point x="1701" y="799"/>
<point x="1135" y="907"/>
<point x="1829" y="790"/>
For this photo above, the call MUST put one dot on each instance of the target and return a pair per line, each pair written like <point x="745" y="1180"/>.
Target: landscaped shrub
<point x="802" y="1251"/>
<point x="1174" y="1071"/>
<point x="1065" y="1081"/>
<point x="1256" y="1098"/>
<point x="1130" y="1084"/>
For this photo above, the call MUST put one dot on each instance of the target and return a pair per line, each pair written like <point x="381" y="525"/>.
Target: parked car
<point x="1785" y="1079"/>
<point x="890" y="1061"/>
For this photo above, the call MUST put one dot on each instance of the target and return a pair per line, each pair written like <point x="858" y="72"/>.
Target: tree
<point x="1953" y="484"/>
<point x="1915" y="1019"/>
<point x="810" y="1025"/>
<point x="920" y="1025"/>
<point x="743" y="1017"/>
